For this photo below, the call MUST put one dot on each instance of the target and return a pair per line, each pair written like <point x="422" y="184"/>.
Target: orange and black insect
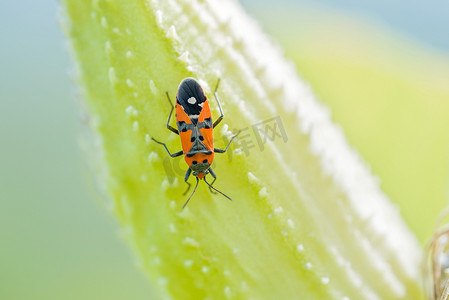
<point x="195" y="127"/>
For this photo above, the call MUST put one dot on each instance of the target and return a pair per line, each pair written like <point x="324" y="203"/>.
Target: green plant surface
<point x="307" y="219"/>
<point x="388" y="92"/>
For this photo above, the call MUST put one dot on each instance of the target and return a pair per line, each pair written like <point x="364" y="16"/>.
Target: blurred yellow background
<point x="381" y="66"/>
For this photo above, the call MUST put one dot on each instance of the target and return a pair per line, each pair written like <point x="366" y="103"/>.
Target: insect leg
<point x="169" y="116"/>
<point x="197" y="180"/>
<point x="187" y="178"/>
<point x="171" y="154"/>
<point x="212" y="173"/>
<point x="216" y="150"/>
<point x="216" y="189"/>
<point x="219" y="105"/>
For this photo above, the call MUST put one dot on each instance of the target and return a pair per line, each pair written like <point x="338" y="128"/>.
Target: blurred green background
<point x="381" y="66"/>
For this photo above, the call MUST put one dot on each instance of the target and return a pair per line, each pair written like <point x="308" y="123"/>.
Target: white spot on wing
<point x="191" y="100"/>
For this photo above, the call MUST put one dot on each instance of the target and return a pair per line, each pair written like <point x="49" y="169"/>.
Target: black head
<point x="191" y="97"/>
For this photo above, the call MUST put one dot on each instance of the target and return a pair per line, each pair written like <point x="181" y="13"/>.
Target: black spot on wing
<point x="190" y="88"/>
<point x="184" y="127"/>
<point x="207" y="123"/>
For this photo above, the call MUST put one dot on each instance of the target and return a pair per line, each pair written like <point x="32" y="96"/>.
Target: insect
<point x="437" y="262"/>
<point x="195" y="128"/>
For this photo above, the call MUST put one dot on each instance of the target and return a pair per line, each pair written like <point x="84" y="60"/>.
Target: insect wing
<point x="205" y="126"/>
<point x="185" y="128"/>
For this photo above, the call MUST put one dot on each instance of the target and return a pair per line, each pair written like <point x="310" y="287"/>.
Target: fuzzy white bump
<point x="156" y="260"/>
<point x="108" y="47"/>
<point x="184" y="57"/>
<point x="172" y="34"/>
<point x="253" y="179"/>
<point x="225" y="129"/>
<point x="152" y="157"/>
<point x="184" y="214"/>
<point x="228" y="292"/>
<point x="165" y="184"/>
<point x="172" y="228"/>
<point x="131" y="111"/>
<point x="129" y="54"/>
<point x="278" y="210"/>
<point x="104" y="22"/>
<point x="112" y="76"/>
<point x="188" y="263"/>
<point x="135" y="126"/>
<point x="227" y="132"/>
<point x="204" y="84"/>
<point x="190" y="242"/>
<point x="117" y="31"/>
<point x="159" y="17"/>
<point x="300" y="248"/>
<point x="263" y="192"/>
<point x="129" y="82"/>
<point x="153" y="87"/>
<point x="162" y="281"/>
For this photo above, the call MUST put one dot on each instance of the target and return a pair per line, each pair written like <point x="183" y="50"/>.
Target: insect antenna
<point x="216" y="189"/>
<point x="197" y="180"/>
